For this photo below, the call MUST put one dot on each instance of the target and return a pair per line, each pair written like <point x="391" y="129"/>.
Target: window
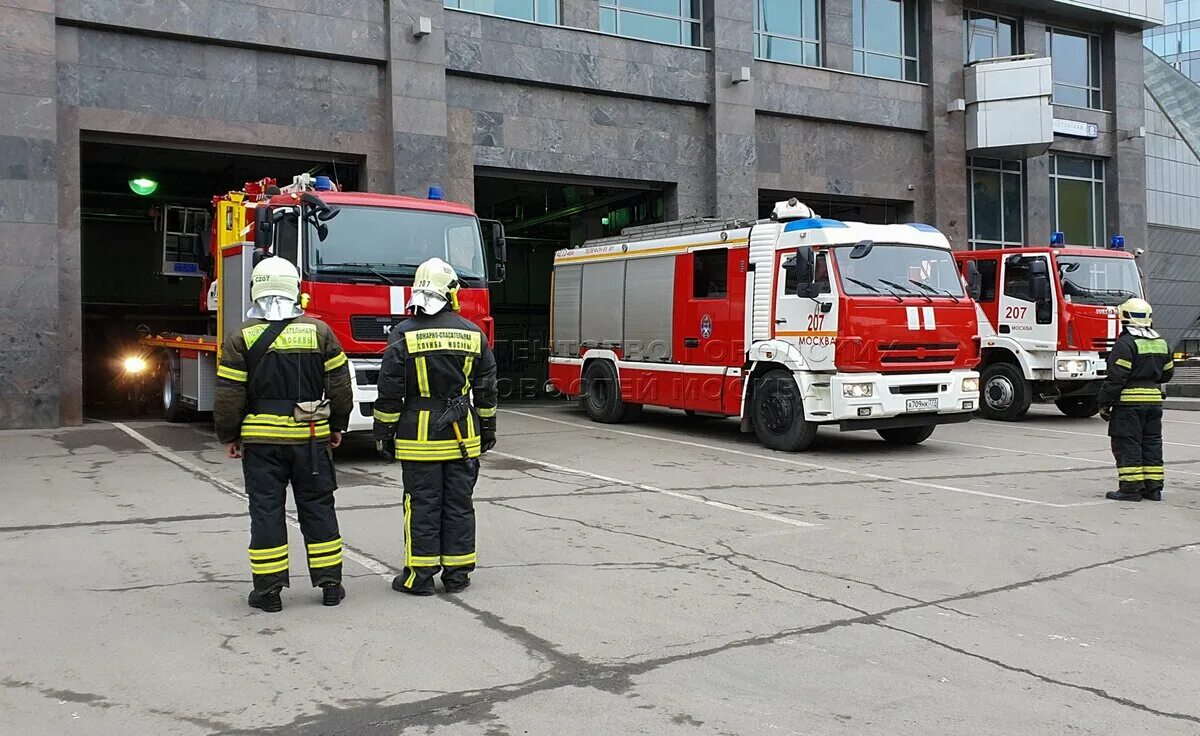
<point x="995" y="215"/>
<point x="1017" y="278"/>
<point x="987" y="279"/>
<point x="987" y="36"/>
<point x="788" y="31"/>
<point x="885" y="38"/>
<point x="665" y="21"/>
<point x="1075" y="66"/>
<point x="1077" y="199"/>
<point x="710" y="273"/>
<point x="542" y="11"/>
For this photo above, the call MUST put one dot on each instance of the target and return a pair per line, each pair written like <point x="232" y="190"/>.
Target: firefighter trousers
<point x="1136" y="435"/>
<point x="439" y="522"/>
<point x="268" y="469"/>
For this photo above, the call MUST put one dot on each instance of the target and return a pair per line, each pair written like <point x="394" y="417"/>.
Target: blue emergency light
<point x="323" y="184"/>
<point x="435" y="192"/>
<point x="1117" y="242"/>
<point x="1058" y="238"/>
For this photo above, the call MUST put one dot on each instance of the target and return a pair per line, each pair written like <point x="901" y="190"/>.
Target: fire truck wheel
<point x="601" y="395"/>
<point x="778" y="413"/>
<point x="1078" y="407"/>
<point x="906" y="435"/>
<point x="172" y="399"/>
<point x="1005" y="394"/>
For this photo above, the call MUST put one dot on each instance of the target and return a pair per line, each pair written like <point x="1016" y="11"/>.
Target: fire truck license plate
<point x="921" y="405"/>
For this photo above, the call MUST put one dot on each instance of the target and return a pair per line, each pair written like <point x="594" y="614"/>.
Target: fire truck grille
<point x="372" y="329"/>
<point x="919" y="388"/>
<point x="936" y="352"/>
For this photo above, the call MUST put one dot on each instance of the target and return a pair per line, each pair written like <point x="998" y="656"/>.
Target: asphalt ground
<point x="664" y="577"/>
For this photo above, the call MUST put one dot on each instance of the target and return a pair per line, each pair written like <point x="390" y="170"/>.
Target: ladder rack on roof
<point x="669" y="229"/>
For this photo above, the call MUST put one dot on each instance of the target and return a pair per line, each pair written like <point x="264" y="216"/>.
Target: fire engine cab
<point x="357" y="254"/>
<point x="1048" y="317"/>
<point x="789" y="323"/>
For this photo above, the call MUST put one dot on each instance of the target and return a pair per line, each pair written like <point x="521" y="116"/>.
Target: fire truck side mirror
<point x="974" y="281"/>
<point x="802" y="264"/>
<point x="264" y="226"/>
<point x="493" y="233"/>
<point x="1039" y="281"/>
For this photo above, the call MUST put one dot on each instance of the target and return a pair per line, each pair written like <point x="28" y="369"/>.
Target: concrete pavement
<point x="665" y="577"/>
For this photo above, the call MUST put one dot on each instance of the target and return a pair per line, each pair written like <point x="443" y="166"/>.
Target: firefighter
<point x="436" y="414"/>
<point x="1130" y="400"/>
<point x="283" y="400"/>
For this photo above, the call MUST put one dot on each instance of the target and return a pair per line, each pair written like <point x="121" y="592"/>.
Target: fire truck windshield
<point x="1098" y="280"/>
<point x="893" y="268"/>
<point x="386" y="245"/>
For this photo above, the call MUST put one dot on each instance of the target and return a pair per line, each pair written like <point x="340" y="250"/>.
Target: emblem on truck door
<point x="706" y="327"/>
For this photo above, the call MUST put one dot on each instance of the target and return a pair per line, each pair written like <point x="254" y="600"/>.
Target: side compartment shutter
<point x="762" y="254"/>
<point x="600" y="322"/>
<point x="565" y="317"/>
<point x="649" y="308"/>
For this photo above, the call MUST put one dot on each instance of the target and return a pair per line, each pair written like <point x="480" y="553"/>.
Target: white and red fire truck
<point x="357" y="254"/>
<point x="789" y="323"/>
<point x="1048" y="317"/>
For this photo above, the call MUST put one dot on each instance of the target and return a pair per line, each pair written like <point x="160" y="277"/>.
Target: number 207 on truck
<point x="789" y="323"/>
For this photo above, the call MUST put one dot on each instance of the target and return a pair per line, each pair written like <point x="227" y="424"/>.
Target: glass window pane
<point x="910" y="28"/>
<point x="1070" y="59"/>
<point x="782" y="16"/>
<point x="1075" y="211"/>
<point x="812" y="54"/>
<point x="859" y="19"/>
<point x="911" y="73"/>
<point x="783" y="49"/>
<point x="650" y="27"/>
<point x="1007" y="39"/>
<point x="691" y="8"/>
<point x="1074" y="166"/>
<point x="812" y="19"/>
<point x="882" y="21"/>
<point x="858" y="62"/>
<point x="522" y="9"/>
<point x="548" y="11"/>
<point x="1093" y="45"/>
<point x="665" y="7"/>
<point x="1098" y="208"/>
<point x="692" y="33"/>
<point x="884" y="66"/>
<point x="1076" y="96"/>
<point x="608" y="20"/>
<point x="985" y="189"/>
<point x="1011" y="197"/>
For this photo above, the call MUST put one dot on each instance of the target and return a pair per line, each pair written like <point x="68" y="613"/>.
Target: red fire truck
<point x="789" y="323"/>
<point x="1048" y="316"/>
<point x="357" y="254"/>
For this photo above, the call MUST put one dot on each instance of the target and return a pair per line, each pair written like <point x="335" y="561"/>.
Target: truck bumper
<point x="364" y="379"/>
<point x="906" y="400"/>
<point x="1079" y="366"/>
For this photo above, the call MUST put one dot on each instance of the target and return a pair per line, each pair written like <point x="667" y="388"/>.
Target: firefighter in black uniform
<point x="283" y="400"/>
<point x="1131" y="400"/>
<point x="436" y="414"/>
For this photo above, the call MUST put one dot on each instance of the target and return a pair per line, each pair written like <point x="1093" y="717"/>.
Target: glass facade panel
<point x="542" y="11"/>
<point x="885" y="38"/>
<point x="1077" y="199"/>
<point x="665" y="21"/>
<point x="996" y="206"/>
<point x="1075" y="65"/>
<point x="788" y="31"/>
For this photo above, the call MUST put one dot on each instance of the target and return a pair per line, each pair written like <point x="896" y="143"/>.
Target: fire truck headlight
<point x="857" y="390"/>
<point x="134" y="364"/>
<point x="1072" y="366"/>
<point x="970" y="385"/>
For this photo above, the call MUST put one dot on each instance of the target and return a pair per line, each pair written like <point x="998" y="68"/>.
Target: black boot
<point x="1152" y="495"/>
<point x="456" y="585"/>
<point x="398" y="585"/>
<point x="332" y="594"/>
<point x="266" y="600"/>
<point x="1123" y="496"/>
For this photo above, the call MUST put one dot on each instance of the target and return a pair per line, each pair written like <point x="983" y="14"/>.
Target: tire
<point x="1079" y="407"/>
<point x="1004" y="394"/>
<point x="601" y="395"/>
<point x="906" y="435"/>
<point x="777" y="413"/>
<point x="172" y="398"/>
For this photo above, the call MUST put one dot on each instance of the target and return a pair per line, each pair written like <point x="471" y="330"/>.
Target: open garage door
<point x="541" y="216"/>
<point x="144" y="209"/>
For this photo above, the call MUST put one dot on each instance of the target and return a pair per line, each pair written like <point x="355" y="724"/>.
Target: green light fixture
<point x="142" y="186"/>
<point x="604" y="220"/>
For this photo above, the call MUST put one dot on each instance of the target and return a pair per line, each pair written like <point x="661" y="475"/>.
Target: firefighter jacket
<point x="431" y="360"/>
<point x="1138" y="363"/>
<point x="257" y="404"/>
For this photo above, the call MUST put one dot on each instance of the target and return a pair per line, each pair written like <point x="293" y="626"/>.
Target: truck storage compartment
<point x="649" y="308"/>
<point x="564" y="314"/>
<point x="601" y="323"/>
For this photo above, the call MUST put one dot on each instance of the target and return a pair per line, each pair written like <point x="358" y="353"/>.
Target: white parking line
<point x="1094" y="461"/>
<point x="237" y="492"/>
<point x="1027" y="429"/>
<point x="655" y="489"/>
<point x="803" y="464"/>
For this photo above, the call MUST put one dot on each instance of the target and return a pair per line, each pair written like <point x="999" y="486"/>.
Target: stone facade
<point x="482" y="93"/>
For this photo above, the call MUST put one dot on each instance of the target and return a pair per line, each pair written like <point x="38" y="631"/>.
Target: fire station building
<point x="997" y="122"/>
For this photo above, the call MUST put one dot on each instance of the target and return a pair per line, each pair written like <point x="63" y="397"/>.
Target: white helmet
<point x="1136" y="313"/>
<point x="434" y="286"/>
<point x="275" y="277"/>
